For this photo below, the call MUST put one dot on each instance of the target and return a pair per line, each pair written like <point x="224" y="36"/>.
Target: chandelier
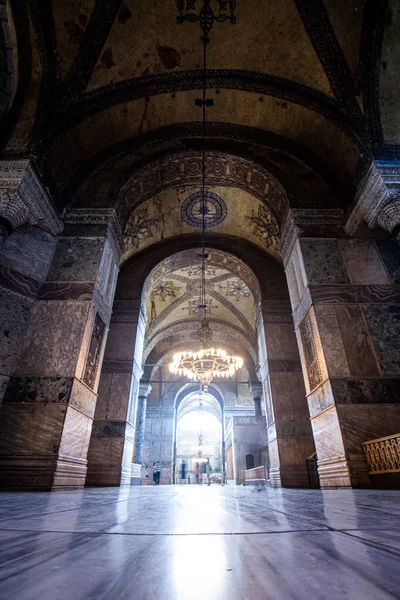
<point x="209" y="362"/>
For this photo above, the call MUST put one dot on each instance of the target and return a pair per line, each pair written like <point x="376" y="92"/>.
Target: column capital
<point x="308" y="222"/>
<point x="379" y="188"/>
<point x="24" y="199"/>
<point x="98" y="216"/>
<point x="144" y="388"/>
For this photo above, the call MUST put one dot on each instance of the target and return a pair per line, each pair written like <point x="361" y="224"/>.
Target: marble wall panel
<point x="367" y="391"/>
<point x="52" y="341"/>
<point x="383" y="323"/>
<point x="39" y="390"/>
<point x="390" y="253"/>
<point x="83" y="399"/>
<point x="104" y="460"/>
<point x="121" y="341"/>
<point x="31" y="428"/>
<point x="156" y="427"/>
<point x="363" y="262"/>
<point x="288" y="395"/>
<point x="281" y="341"/>
<point x="360" y="423"/>
<point x="167" y="427"/>
<point x="76" y="259"/>
<point x="14" y="313"/>
<point x="327" y="434"/>
<point x="76" y="434"/>
<point x="359" y="352"/>
<point x="323" y="261"/>
<point x="331" y="339"/>
<point x="321" y="398"/>
<point x="29" y="250"/>
<point x="293" y="286"/>
<point x="113" y="396"/>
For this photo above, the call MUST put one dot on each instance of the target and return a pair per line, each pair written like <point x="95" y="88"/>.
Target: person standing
<point x="157" y="472"/>
<point x="208" y="471"/>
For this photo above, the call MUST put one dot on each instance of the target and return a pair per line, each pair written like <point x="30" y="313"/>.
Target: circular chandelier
<point x="207" y="363"/>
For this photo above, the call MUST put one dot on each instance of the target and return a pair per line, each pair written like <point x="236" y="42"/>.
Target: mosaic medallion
<point x="215" y="210"/>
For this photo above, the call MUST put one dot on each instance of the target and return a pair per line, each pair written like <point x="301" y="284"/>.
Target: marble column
<point x="47" y="413"/>
<point x="112" y="442"/>
<point x="290" y="440"/>
<point x="257" y="391"/>
<point x="140" y="422"/>
<point x="346" y="302"/>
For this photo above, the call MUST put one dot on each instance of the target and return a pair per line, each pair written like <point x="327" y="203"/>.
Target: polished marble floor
<point x="195" y="542"/>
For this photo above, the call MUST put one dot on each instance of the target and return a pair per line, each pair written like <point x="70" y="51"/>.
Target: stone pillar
<point x="28" y="228"/>
<point x="290" y="440"/>
<point x="47" y="413"/>
<point x="111" y="445"/>
<point x="140" y="422"/>
<point x="346" y="313"/>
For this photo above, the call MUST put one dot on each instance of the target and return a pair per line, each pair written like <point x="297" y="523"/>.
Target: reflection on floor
<point x="189" y="542"/>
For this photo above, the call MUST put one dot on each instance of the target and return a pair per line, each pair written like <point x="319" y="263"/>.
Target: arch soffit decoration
<point x="190" y="388"/>
<point x="191" y="402"/>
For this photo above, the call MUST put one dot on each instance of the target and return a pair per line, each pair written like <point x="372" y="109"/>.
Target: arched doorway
<point x="198" y="439"/>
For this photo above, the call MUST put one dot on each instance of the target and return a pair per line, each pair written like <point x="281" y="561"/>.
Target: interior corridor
<point x="189" y="542"/>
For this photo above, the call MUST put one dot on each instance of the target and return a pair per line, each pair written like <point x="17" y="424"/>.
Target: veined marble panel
<point x="357" y="343"/>
<point x="31" y="428"/>
<point x="14" y="313"/>
<point x="281" y="341"/>
<point x="17" y="283"/>
<point x="390" y="253"/>
<point x="366" y="391"/>
<point x="284" y="365"/>
<point x="363" y="262"/>
<point x="355" y="294"/>
<point x="76" y="434"/>
<point x="383" y="323"/>
<point x="66" y="290"/>
<point x="327" y="434"/>
<point x="28" y="250"/>
<point x="83" y="399"/>
<point x="323" y="261"/>
<point x="320" y="398"/>
<point x="76" y="259"/>
<point x="121" y="342"/>
<point x="288" y="396"/>
<point x="361" y="423"/>
<point x="39" y="390"/>
<point x="53" y="338"/>
<point x="113" y="396"/>
<point x="332" y="342"/>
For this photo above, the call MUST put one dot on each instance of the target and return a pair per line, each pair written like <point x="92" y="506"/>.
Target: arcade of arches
<point x="100" y="179"/>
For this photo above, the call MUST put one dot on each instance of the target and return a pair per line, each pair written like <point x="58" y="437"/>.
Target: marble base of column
<point x="289" y="444"/>
<point x="45" y="426"/>
<point x="363" y="410"/>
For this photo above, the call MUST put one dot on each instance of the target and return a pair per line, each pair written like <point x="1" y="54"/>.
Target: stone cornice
<point x="24" y="199"/>
<point x="378" y="188"/>
<point x="98" y="216"/>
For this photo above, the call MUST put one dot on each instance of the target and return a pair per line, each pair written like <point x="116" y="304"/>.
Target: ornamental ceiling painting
<point x="172" y="295"/>
<point x="177" y="211"/>
<point x="99" y="89"/>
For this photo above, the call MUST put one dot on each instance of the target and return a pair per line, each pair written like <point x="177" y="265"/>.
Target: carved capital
<point x="98" y="216"/>
<point x="389" y="217"/>
<point x="377" y="189"/>
<point x="144" y="388"/>
<point x="307" y="222"/>
<point x="24" y="199"/>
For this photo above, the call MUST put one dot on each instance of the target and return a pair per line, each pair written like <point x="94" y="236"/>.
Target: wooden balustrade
<point x="383" y="454"/>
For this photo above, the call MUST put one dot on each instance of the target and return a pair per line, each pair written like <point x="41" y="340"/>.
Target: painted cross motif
<point x="236" y="288"/>
<point x="265" y="227"/>
<point x="196" y="270"/>
<point x="166" y="289"/>
<point x="139" y="228"/>
<point x="193" y="306"/>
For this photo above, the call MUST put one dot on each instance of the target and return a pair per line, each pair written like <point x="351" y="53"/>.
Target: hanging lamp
<point x="209" y="362"/>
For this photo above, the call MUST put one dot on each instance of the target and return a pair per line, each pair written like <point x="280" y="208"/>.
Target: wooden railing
<point x="383" y="454"/>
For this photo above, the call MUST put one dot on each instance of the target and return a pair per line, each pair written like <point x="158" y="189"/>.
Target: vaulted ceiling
<point x="101" y="89"/>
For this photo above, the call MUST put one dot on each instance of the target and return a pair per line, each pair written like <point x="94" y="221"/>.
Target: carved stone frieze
<point x="98" y="216"/>
<point x="24" y="199"/>
<point x="306" y="221"/>
<point x="377" y="189"/>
